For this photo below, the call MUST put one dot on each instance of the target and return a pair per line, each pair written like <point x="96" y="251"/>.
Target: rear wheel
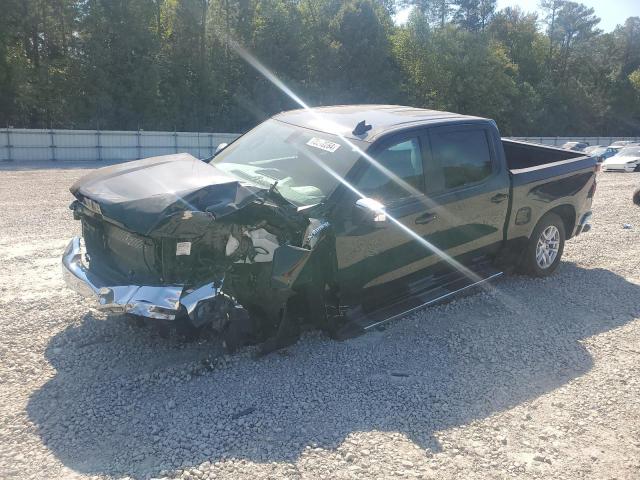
<point x="545" y="246"/>
<point x="636" y="197"/>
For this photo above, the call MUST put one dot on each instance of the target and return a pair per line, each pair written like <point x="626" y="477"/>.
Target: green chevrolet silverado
<point x="339" y="218"/>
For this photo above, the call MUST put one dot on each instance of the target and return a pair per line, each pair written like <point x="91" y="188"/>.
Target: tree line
<point x="173" y="64"/>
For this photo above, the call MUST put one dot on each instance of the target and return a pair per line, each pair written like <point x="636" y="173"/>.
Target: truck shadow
<point x="131" y="404"/>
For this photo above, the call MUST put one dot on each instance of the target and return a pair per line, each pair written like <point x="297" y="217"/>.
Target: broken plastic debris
<point x="626" y="226"/>
<point x="232" y="245"/>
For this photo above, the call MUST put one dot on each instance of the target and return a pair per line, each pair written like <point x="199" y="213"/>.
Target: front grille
<point x="121" y="238"/>
<point x="124" y="256"/>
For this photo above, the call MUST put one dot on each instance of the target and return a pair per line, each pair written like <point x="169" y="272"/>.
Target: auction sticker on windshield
<point x="183" y="248"/>
<point x="325" y="145"/>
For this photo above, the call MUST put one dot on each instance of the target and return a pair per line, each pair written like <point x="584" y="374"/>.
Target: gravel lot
<point x="538" y="378"/>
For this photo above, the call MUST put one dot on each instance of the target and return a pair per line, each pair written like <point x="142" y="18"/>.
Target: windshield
<point x="297" y="158"/>
<point x="629" y="152"/>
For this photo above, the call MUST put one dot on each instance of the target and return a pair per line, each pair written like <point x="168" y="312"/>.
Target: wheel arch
<point x="528" y="264"/>
<point x="567" y="213"/>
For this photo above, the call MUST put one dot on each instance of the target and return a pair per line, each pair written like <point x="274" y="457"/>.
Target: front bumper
<point x="619" y="167"/>
<point x="158" y="302"/>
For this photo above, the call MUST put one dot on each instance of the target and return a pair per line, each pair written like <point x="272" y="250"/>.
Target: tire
<point x="185" y="329"/>
<point x="636" y="197"/>
<point x="135" y="321"/>
<point x="545" y="246"/>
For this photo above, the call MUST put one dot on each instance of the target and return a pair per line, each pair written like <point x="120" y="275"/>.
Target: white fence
<point x="559" y="141"/>
<point x="24" y="145"/>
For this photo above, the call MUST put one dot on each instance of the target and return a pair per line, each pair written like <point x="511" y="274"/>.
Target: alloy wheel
<point x="548" y="247"/>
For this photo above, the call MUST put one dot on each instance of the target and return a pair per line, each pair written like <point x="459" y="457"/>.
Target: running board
<point x="359" y="321"/>
<point x="433" y="301"/>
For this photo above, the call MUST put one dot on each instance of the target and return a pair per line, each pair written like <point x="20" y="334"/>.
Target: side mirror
<point x="221" y="147"/>
<point x="373" y="212"/>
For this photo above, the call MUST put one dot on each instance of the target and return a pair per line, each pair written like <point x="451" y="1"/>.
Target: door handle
<point x="500" y="197"/>
<point x="425" y="218"/>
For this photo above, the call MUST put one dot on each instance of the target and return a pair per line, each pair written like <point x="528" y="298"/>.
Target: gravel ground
<point x="537" y="378"/>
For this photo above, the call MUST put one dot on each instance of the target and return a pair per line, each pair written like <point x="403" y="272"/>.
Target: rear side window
<point x="463" y="155"/>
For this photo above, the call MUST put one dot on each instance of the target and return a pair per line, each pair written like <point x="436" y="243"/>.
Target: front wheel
<point x="545" y="246"/>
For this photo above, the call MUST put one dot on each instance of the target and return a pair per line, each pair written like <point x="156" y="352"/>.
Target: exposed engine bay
<point x="265" y="266"/>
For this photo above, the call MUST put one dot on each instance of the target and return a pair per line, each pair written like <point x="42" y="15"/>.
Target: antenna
<point x="361" y="128"/>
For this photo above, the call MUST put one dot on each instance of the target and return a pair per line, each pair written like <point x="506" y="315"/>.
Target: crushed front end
<point x="173" y="239"/>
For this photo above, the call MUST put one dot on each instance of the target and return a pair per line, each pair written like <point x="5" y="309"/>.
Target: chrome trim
<point x="160" y="303"/>
<point x="585" y="223"/>
<point x="586" y="218"/>
<point x="193" y="298"/>
<point x="75" y="274"/>
<point x="373" y="207"/>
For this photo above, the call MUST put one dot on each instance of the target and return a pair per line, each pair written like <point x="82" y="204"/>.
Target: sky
<point x="611" y="12"/>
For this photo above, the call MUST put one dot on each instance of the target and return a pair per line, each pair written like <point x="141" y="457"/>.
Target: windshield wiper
<point x="275" y="193"/>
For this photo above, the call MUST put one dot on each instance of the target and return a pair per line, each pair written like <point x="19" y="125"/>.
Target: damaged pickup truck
<point x="337" y="217"/>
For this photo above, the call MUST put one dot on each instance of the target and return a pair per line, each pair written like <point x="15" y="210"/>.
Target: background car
<point x="622" y="143"/>
<point x="575" y="146"/>
<point x="615" y="149"/>
<point x="596" y="151"/>
<point x="601" y="153"/>
<point x="627" y="160"/>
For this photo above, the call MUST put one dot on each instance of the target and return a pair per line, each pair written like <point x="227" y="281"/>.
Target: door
<point x="473" y="196"/>
<point x="445" y="211"/>
<point x="375" y="259"/>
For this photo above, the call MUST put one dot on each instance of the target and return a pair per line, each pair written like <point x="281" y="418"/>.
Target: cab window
<point x="463" y="155"/>
<point x="401" y="160"/>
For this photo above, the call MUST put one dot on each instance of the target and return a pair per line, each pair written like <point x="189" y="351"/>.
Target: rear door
<point x="474" y="190"/>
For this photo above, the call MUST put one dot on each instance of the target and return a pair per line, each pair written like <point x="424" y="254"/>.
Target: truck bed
<point x="545" y="178"/>
<point x="529" y="162"/>
<point x="521" y="155"/>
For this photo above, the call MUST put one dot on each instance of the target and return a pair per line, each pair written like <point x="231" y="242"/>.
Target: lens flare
<point x="428" y="245"/>
<point x="255" y="63"/>
<point x="328" y="126"/>
<point x="508" y="302"/>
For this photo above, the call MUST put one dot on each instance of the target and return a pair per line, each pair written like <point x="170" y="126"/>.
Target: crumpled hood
<point x="143" y="194"/>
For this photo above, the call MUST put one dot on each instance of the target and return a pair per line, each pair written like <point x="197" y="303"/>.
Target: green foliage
<point x="438" y="63"/>
<point x="474" y="15"/>
<point x="634" y="78"/>
<point x="164" y="64"/>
